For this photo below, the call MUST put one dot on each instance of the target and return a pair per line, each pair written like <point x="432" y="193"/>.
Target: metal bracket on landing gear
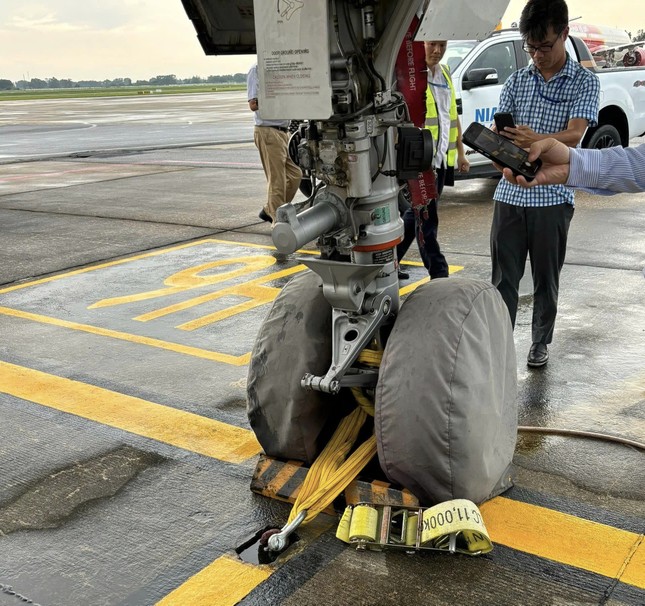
<point x="345" y="285"/>
<point x="357" y="314"/>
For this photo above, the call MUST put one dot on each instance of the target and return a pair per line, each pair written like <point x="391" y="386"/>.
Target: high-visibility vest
<point x="432" y="119"/>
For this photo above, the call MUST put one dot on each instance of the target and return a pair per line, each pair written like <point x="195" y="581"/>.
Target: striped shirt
<point x="608" y="171"/>
<point x="546" y="107"/>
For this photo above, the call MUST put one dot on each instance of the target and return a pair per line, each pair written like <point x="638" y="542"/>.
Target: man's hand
<point x="253" y="105"/>
<point x="555" y="164"/>
<point x="463" y="165"/>
<point x="522" y="136"/>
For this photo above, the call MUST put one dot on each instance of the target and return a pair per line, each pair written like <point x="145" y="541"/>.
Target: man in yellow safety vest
<point x="443" y="122"/>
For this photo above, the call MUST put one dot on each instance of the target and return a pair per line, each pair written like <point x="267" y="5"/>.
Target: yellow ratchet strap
<point x="455" y="526"/>
<point x="333" y="471"/>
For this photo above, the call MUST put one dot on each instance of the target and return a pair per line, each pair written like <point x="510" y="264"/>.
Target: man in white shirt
<point x="272" y="140"/>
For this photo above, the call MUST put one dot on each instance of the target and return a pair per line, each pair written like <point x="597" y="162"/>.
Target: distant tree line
<point x="168" y="80"/>
<point x="37" y="83"/>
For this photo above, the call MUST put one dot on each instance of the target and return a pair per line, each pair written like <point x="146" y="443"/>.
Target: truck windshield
<point x="456" y="52"/>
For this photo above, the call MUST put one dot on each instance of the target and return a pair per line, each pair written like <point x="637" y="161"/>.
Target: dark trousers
<point x="425" y="230"/>
<point x="540" y="232"/>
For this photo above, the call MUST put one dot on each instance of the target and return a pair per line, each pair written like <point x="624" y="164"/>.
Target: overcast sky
<point x="139" y="39"/>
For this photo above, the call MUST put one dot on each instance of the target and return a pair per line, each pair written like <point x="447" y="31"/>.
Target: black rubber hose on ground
<point x="581" y="434"/>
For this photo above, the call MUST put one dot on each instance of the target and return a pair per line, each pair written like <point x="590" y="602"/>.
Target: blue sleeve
<point x="608" y="171"/>
<point x="586" y="103"/>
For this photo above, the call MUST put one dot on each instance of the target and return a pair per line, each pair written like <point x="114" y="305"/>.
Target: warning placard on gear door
<point x="293" y="59"/>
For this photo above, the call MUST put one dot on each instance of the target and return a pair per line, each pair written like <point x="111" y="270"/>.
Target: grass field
<point x="125" y="91"/>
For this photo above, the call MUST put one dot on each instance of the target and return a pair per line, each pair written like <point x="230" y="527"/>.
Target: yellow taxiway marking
<point x="406" y="290"/>
<point x="156" y="253"/>
<point x="223" y="583"/>
<point x="545" y="533"/>
<point x="255" y="291"/>
<point x="126" y="336"/>
<point x="566" y="539"/>
<point x="162" y="423"/>
<point x="193" y="277"/>
<point x="549" y="534"/>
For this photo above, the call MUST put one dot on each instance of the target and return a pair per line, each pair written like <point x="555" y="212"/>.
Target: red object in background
<point x="412" y="81"/>
<point x="634" y="57"/>
<point x="599" y="37"/>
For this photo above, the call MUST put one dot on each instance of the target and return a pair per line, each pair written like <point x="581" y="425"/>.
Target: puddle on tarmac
<point x="255" y="552"/>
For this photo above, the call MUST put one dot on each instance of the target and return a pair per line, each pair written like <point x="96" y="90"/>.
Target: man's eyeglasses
<point x="543" y="48"/>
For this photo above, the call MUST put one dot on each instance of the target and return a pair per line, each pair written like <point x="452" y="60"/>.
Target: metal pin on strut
<point x="278" y="541"/>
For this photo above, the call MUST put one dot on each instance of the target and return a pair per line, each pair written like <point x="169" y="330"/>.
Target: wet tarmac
<point x="133" y="281"/>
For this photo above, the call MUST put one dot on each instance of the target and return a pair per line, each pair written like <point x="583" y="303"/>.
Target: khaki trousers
<point x="283" y="176"/>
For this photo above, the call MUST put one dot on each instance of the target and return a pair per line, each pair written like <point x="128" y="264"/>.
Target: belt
<point x="284" y="129"/>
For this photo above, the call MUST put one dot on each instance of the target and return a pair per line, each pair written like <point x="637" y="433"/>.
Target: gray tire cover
<point x="446" y="406"/>
<point x="294" y="339"/>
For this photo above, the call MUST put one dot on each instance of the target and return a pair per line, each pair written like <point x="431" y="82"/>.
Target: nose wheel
<point x="294" y="339"/>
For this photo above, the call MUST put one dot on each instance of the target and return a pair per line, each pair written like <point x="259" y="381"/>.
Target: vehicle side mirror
<point x="483" y="76"/>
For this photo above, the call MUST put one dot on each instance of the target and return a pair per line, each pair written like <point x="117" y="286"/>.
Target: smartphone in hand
<point x="500" y="150"/>
<point x="502" y="120"/>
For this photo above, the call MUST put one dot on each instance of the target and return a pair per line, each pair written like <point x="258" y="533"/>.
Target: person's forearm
<point x="584" y="169"/>
<point x="460" y="143"/>
<point x="607" y="171"/>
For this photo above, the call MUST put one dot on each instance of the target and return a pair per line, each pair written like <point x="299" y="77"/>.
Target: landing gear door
<point x="292" y="40"/>
<point x="460" y="19"/>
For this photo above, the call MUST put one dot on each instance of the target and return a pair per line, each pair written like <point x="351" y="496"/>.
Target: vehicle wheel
<point x="295" y="338"/>
<point x="446" y="398"/>
<point x="603" y="136"/>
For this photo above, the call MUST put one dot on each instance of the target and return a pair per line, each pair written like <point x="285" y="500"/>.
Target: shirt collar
<point x="568" y="69"/>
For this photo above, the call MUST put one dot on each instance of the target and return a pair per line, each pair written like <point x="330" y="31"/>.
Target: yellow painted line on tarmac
<point x="223" y="583"/>
<point x="406" y="290"/>
<point x="155" y="253"/>
<point x="254" y="290"/>
<point x="85" y="270"/>
<point x="197" y="276"/>
<point x="545" y="533"/>
<point x="634" y="571"/>
<point x="125" y="336"/>
<point x="162" y="423"/>
<point x="567" y="539"/>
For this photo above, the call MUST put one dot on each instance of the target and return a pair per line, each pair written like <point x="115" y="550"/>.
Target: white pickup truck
<point x="480" y="68"/>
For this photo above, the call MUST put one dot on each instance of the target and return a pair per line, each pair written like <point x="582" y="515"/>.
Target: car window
<point x="456" y="52"/>
<point x="501" y="57"/>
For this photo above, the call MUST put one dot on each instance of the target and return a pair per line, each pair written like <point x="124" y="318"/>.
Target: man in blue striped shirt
<point x="553" y="97"/>
<point x="599" y="171"/>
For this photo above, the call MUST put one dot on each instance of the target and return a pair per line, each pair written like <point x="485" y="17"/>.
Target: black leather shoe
<point x="265" y="216"/>
<point x="538" y="355"/>
<point x="404" y="275"/>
